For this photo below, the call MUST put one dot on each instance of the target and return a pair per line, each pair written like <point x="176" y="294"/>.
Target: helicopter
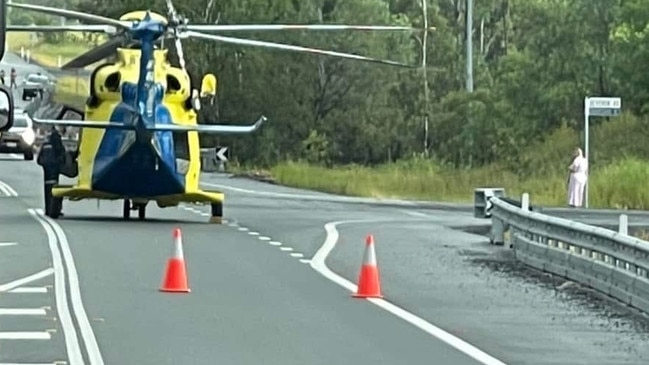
<point x="138" y="137"/>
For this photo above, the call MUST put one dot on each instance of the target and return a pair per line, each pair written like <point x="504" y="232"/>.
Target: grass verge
<point x="71" y="90"/>
<point x="48" y="54"/>
<point x="619" y="185"/>
<point x="618" y="175"/>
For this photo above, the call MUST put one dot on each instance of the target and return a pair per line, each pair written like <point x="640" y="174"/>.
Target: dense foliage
<point x="534" y="62"/>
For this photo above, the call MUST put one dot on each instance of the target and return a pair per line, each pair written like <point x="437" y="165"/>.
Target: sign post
<point x="597" y="107"/>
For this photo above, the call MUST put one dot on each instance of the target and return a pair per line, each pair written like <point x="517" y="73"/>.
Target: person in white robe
<point x="577" y="179"/>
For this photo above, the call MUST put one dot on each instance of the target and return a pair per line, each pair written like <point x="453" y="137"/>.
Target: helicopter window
<point x="112" y="82"/>
<point x="181" y="145"/>
<point x="173" y="84"/>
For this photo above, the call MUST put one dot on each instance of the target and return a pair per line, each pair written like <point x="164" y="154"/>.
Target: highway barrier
<point x="610" y="262"/>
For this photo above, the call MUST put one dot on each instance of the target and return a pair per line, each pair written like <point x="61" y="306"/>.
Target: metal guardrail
<point x="613" y="263"/>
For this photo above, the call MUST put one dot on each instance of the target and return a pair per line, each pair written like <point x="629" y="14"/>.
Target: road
<point x="256" y="294"/>
<point x="273" y="285"/>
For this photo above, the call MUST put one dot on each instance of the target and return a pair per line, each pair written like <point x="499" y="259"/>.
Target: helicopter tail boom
<point x="201" y="128"/>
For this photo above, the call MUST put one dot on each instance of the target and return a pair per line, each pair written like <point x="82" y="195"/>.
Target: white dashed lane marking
<point x="29" y="290"/>
<point x="270" y="241"/>
<point x="25" y="336"/>
<point x="22" y="312"/>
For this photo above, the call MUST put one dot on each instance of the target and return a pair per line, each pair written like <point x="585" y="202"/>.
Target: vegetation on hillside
<point x="534" y="62"/>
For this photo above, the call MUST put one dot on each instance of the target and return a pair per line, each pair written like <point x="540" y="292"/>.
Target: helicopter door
<point x="181" y="150"/>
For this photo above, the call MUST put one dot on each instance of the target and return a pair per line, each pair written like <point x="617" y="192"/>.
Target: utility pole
<point x="469" y="73"/>
<point x="469" y="45"/>
<point x="425" y="72"/>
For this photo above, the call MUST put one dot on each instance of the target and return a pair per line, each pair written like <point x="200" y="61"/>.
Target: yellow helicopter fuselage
<point x="106" y="172"/>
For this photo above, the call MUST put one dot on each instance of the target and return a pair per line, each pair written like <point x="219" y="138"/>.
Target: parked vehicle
<point x="35" y="84"/>
<point x="21" y="137"/>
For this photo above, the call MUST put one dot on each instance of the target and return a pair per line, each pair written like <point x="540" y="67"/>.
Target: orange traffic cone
<point x="369" y="285"/>
<point x="175" y="279"/>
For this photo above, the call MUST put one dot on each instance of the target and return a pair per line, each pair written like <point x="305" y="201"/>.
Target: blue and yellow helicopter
<point x="139" y="132"/>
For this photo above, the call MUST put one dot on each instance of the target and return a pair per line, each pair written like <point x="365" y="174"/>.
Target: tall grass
<point x="619" y="175"/>
<point x="622" y="184"/>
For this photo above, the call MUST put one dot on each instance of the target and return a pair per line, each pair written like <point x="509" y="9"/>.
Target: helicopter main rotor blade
<point x="97" y="54"/>
<point x="176" y="19"/>
<point x="73" y="15"/>
<point x="287" y="47"/>
<point x="264" y="27"/>
<point x="62" y="28"/>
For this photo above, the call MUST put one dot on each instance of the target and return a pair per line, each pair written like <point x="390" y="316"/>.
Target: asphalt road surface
<point x="273" y="285"/>
<point x="261" y="291"/>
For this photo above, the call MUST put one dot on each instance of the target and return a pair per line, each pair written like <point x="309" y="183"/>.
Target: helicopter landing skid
<point x="217" y="213"/>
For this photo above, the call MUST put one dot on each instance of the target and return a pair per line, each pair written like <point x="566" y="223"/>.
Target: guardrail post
<point x="208" y="159"/>
<point x="624" y="224"/>
<point x="525" y="201"/>
<point x="497" y="233"/>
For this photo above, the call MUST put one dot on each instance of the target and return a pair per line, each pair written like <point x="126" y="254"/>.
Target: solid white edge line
<point x="318" y="264"/>
<point x="3" y="190"/>
<point x="25" y="336"/>
<point x="8" y="189"/>
<point x="77" y="305"/>
<point x="311" y="197"/>
<point x="69" y="331"/>
<point x="26" y="280"/>
<point x="22" y="312"/>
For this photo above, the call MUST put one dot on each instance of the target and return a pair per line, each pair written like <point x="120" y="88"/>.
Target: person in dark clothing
<point x="13" y="75"/>
<point x="51" y="158"/>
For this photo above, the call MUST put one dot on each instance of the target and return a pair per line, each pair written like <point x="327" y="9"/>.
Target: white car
<point x="21" y="137"/>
